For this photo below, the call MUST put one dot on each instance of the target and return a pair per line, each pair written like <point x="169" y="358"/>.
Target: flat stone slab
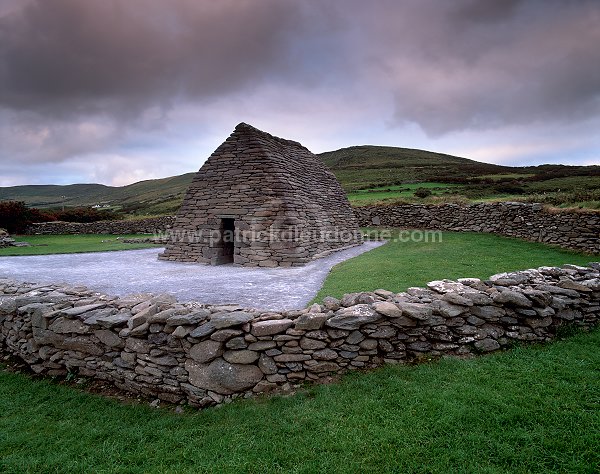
<point x="139" y="271"/>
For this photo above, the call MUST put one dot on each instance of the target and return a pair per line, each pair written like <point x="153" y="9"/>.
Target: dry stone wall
<point x="152" y="225"/>
<point x="205" y="355"/>
<point x="568" y="229"/>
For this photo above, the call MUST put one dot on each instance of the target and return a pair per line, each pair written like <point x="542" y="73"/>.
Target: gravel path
<point x="139" y="271"/>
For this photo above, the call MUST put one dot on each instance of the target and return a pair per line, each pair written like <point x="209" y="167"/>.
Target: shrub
<point x="15" y="216"/>
<point x="422" y="193"/>
<point x="85" y="214"/>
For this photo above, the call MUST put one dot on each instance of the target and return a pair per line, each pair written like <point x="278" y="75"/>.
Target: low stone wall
<point x="205" y="355"/>
<point x="151" y="225"/>
<point x="568" y="229"/>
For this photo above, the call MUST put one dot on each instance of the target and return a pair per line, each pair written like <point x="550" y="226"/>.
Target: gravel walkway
<point x="139" y="271"/>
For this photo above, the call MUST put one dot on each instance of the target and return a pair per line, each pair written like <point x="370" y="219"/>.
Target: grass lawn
<point x="49" y="244"/>
<point x="398" y="265"/>
<point x="402" y="191"/>
<point x="531" y="409"/>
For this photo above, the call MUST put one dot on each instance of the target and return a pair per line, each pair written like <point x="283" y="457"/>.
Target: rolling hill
<point x="152" y="193"/>
<point x="360" y="169"/>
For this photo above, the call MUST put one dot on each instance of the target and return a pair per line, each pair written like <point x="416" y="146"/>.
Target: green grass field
<point x="531" y="409"/>
<point x="399" y="265"/>
<point x="402" y="191"/>
<point x="528" y="410"/>
<point x="49" y="244"/>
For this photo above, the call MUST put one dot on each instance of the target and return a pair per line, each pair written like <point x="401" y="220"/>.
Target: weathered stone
<point x="355" y="337"/>
<point x="236" y="343"/>
<point x="191" y="318"/>
<point x="181" y="331"/>
<point x="478" y="298"/>
<point x="487" y="345"/>
<point x="349" y="299"/>
<point x="202" y="331"/>
<point x="419" y="346"/>
<point x="404" y="321"/>
<point x="264" y="387"/>
<point x="310" y="344"/>
<point x="387" y="309"/>
<point x="65" y="326"/>
<point x="573" y="285"/>
<point x="267" y="365"/>
<point x="475" y="321"/>
<point x="142" y="317"/>
<point x="222" y="377"/>
<point x="512" y="298"/>
<point x="226" y="320"/>
<point x="538" y="298"/>
<point x="241" y="357"/>
<point x="353" y="317"/>
<point x="137" y="345"/>
<point x="225" y="334"/>
<point x="311" y="321"/>
<point x="162" y="316"/>
<point x="168" y="361"/>
<point x="348" y="354"/>
<point x="334" y="334"/>
<point x="109" y="338"/>
<point x="384" y="332"/>
<point x="79" y="310"/>
<point x="446" y="286"/>
<point x="325" y="354"/>
<point x="291" y="357"/>
<point x="487" y="312"/>
<point x="539" y="322"/>
<point x="418" y="311"/>
<point x="331" y="303"/>
<point x="114" y="320"/>
<point x="139" y="330"/>
<point x="268" y="328"/>
<point x="455" y="298"/>
<point x="322" y="367"/>
<point x="81" y="344"/>
<point x="368" y="344"/>
<point x="448" y="310"/>
<point x="568" y="314"/>
<point x="262" y="345"/>
<point x="206" y="351"/>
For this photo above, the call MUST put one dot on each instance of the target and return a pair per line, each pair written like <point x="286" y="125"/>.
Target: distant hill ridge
<point x="356" y="167"/>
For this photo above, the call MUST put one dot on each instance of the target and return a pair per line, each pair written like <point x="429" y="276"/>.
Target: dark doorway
<point x="228" y="237"/>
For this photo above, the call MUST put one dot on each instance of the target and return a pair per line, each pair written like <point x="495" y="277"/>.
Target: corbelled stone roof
<point x="265" y="182"/>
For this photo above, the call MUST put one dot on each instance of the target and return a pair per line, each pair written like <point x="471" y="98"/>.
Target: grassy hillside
<point x="363" y="167"/>
<point x="369" y="174"/>
<point x="148" y="194"/>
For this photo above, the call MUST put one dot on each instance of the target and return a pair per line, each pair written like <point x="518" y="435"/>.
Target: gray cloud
<point x="77" y="57"/>
<point x="90" y="77"/>
<point x="472" y="64"/>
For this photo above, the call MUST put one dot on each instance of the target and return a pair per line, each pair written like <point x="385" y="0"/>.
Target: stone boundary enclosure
<point x="206" y="355"/>
<point x="568" y="229"/>
<point x="151" y="225"/>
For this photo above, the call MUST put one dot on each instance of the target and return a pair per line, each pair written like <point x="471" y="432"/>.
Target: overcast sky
<point x="116" y="91"/>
